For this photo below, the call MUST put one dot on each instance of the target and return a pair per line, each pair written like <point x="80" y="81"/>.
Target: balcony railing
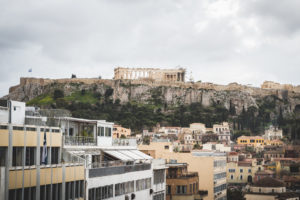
<point x="115" y="169"/>
<point x="183" y="176"/>
<point x="79" y="141"/>
<point x="124" y="142"/>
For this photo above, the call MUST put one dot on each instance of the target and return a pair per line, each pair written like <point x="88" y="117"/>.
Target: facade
<point x="251" y="140"/>
<point x="198" y="128"/>
<point x="211" y="167"/>
<point x="169" y="130"/>
<point x="243" y="171"/>
<point x="34" y="165"/>
<point x="273" y="133"/>
<point x="170" y="75"/>
<point x="118" y="131"/>
<point x="216" y="147"/>
<point x="75" y="159"/>
<point x="220" y="128"/>
<point x="269" y="189"/>
<point x="115" y="169"/>
<point x="181" y="184"/>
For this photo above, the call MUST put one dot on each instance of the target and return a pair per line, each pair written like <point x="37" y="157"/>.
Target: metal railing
<point x="124" y="142"/>
<point x="186" y="175"/>
<point x="113" y="170"/>
<point x="80" y="141"/>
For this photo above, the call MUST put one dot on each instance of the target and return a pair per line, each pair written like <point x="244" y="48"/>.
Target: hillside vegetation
<point x="138" y="115"/>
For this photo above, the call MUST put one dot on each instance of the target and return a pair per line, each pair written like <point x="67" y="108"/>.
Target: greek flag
<point x="30" y="70"/>
<point x="44" y="153"/>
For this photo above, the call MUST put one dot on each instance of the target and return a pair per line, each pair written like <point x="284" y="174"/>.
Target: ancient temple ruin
<point x="169" y="75"/>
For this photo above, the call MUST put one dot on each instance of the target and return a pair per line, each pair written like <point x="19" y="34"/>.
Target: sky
<point x="218" y="41"/>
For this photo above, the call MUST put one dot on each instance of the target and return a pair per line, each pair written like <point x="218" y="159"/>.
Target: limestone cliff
<point x="141" y="91"/>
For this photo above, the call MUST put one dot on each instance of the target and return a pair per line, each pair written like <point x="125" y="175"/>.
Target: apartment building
<point x="119" y="131"/>
<point x="115" y="169"/>
<point x="181" y="184"/>
<point x="243" y="171"/>
<point x="75" y="159"/>
<point x="210" y="166"/>
<point x="251" y="140"/>
<point x="33" y="164"/>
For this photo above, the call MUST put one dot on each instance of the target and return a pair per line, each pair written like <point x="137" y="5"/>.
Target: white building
<point x="115" y="169"/>
<point x="111" y="168"/>
<point x="219" y="128"/>
<point x="273" y="133"/>
<point x="216" y="147"/>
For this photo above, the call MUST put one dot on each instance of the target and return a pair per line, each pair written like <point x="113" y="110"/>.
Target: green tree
<point x="58" y="94"/>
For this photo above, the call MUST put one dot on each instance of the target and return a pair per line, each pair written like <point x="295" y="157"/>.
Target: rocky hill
<point x="166" y="97"/>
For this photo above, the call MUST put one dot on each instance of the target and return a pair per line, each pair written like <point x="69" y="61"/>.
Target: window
<point x="167" y="147"/>
<point x="17" y="156"/>
<point x="231" y="170"/>
<point x="259" y="189"/>
<point x="219" y="175"/>
<point x="143" y="184"/>
<point x="29" y="160"/>
<point x="220" y="188"/>
<point x="241" y="170"/>
<point x="18" y="128"/>
<point x="178" y="189"/>
<point x="252" y="141"/>
<point x="273" y="190"/>
<point x="241" y="177"/>
<point x="107" y="131"/>
<point x="231" y="177"/>
<point x="99" y="193"/>
<point x="100" y="131"/>
<point x="249" y="170"/>
<point x="160" y="196"/>
<point x="54" y="155"/>
<point x="220" y="163"/>
<point x="181" y="189"/>
<point x="159" y="176"/>
<point x="169" y="189"/>
<point x="2" y="156"/>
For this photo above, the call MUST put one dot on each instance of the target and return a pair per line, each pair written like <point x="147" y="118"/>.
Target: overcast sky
<point x="220" y="41"/>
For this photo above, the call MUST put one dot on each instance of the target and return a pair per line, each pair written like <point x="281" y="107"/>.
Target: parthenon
<point x="173" y="75"/>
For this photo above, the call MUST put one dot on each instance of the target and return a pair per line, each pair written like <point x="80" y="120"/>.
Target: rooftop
<point x="268" y="182"/>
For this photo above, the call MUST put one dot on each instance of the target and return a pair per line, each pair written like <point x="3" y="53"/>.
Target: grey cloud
<point x="58" y="38"/>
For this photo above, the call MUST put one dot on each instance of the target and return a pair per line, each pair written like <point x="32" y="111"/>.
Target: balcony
<point x="124" y="142"/>
<point x="183" y="176"/>
<point x="114" y="168"/>
<point x="79" y="141"/>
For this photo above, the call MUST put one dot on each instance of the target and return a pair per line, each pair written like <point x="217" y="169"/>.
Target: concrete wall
<point x="4" y="114"/>
<point x="17" y="112"/>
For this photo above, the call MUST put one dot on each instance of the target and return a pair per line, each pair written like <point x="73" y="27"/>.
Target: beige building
<point x="26" y="173"/>
<point x="173" y="75"/>
<point x="221" y="128"/>
<point x="269" y="189"/>
<point x="210" y="166"/>
<point x="118" y="131"/>
<point x="242" y="171"/>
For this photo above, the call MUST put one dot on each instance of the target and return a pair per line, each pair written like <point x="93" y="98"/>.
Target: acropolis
<point x="163" y="75"/>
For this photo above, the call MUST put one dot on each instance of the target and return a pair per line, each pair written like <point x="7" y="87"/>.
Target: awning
<point x="141" y="154"/>
<point x="128" y="155"/>
<point x="119" y="155"/>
